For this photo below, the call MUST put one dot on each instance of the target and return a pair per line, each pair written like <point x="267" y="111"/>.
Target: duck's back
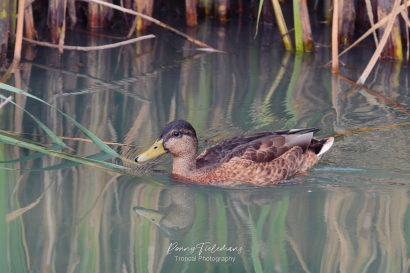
<point x="257" y="147"/>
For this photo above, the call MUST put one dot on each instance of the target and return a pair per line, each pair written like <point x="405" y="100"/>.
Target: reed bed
<point x="388" y="19"/>
<point x="349" y="16"/>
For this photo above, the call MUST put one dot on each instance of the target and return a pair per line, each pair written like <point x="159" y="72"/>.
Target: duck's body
<point x="261" y="158"/>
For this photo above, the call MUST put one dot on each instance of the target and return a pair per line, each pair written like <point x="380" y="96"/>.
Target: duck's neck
<point x="184" y="165"/>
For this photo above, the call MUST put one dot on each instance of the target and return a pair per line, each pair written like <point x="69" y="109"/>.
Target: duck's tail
<point x="321" y="146"/>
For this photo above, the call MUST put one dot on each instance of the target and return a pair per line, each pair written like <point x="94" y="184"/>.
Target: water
<point x="350" y="213"/>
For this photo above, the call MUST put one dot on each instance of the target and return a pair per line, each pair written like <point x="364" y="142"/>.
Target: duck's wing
<point x="258" y="147"/>
<point x="217" y="152"/>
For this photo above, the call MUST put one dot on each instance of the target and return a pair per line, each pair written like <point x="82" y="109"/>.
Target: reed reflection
<point x="277" y="228"/>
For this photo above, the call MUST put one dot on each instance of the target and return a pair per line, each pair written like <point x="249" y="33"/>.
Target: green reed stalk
<point x="287" y="43"/>
<point x="298" y="26"/>
<point x="257" y="266"/>
<point x="95" y="139"/>
<point x="277" y="234"/>
<point x="308" y="45"/>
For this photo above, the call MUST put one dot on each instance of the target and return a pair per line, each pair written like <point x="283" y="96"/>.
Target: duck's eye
<point x="176" y="133"/>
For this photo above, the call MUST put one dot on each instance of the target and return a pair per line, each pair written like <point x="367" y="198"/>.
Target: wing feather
<point x="258" y="147"/>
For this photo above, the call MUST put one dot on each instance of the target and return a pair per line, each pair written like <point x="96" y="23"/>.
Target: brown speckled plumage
<point x="261" y="158"/>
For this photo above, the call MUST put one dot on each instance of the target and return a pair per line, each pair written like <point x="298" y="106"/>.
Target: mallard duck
<point x="261" y="158"/>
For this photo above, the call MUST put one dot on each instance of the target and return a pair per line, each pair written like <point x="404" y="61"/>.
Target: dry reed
<point x="335" y="56"/>
<point x="90" y="48"/>
<point x="380" y="47"/>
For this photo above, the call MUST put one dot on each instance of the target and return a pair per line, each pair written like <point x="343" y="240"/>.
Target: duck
<point x="263" y="158"/>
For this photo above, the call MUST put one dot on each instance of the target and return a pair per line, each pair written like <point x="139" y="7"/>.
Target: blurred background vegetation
<point x="48" y="20"/>
<point x="353" y="215"/>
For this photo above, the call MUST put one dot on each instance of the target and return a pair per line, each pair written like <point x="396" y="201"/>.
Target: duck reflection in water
<point x="175" y="220"/>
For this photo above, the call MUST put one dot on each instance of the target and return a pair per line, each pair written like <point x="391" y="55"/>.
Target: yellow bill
<point x="155" y="150"/>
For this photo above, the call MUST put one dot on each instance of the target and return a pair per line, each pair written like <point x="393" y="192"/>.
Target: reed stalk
<point x="258" y="18"/>
<point x="380" y="23"/>
<point x="91" y="48"/>
<point x="7" y="27"/>
<point x="327" y="10"/>
<point x="369" y="129"/>
<point x="205" y="7"/>
<point x="63" y="28"/>
<point x="19" y="33"/>
<point x="382" y="43"/>
<point x="13" y="20"/>
<point x="190" y="8"/>
<point x="222" y="10"/>
<point x="371" y="19"/>
<point x="144" y="7"/>
<point x="29" y="23"/>
<point x="155" y="21"/>
<point x="55" y="9"/>
<point x="72" y="12"/>
<point x="405" y="15"/>
<point x="3" y="103"/>
<point x="308" y="45"/>
<point x="267" y="13"/>
<point x="283" y="29"/>
<point x="393" y="47"/>
<point x="4" y="28"/>
<point x="298" y="26"/>
<point x="132" y="28"/>
<point x="93" y="15"/>
<point x="346" y="25"/>
<point x="335" y="45"/>
<point x="99" y="16"/>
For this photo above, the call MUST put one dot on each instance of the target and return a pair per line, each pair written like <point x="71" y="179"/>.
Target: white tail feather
<point x="326" y="146"/>
<point x="303" y="141"/>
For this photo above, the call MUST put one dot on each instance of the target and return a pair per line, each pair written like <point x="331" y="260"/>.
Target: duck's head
<point x="177" y="138"/>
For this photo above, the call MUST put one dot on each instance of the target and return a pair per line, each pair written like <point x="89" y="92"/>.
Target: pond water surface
<point x="350" y="213"/>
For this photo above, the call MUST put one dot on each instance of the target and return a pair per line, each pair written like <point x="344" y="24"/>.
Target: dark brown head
<point x="177" y="138"/>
